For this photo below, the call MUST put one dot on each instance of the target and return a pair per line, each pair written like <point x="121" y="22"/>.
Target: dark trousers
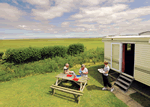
<point x="106" y="81"/>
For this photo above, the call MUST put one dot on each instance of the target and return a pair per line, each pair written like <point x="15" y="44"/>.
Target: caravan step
<point x="121" y="85"/>
<point x="126" y="78"/>
<point x="124" y="82"/>
<point x="128" y="75"/>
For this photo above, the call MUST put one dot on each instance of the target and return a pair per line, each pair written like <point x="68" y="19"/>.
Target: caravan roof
<point x="140" y="36"/>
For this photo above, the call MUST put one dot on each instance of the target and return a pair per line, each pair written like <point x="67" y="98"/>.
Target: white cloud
<point x="91" y="2"/>
<point x="14" y="1"/>
<point x="29" y="26"/>
<point x="86" y="25"/>
<point x="37" y="2"/>
<point x="77" y="29"/>
<point x="27" y="6"/>
<point x="119" y="1"/>
<point x="51" y="12"/>
<point x="64" y="6"/>
<point x="23" y="26"/>
<point x="107" y="15"/>
<point x="48" y="14"/>
<point x="65" y="24"/>
<point x="99" y="11"/>
<point x="36" y="29"/>
<point x="131" y="27"/>
<point x="10" y="12"/>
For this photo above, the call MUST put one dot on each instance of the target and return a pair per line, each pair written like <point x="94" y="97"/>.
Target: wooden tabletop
<point x="64" y="76"/>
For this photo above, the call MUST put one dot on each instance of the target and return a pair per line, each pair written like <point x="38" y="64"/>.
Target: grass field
<point x="89" y="43"/>
<point x="34" y="91"/>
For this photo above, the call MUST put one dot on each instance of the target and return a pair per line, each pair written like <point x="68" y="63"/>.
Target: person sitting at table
<point x="83" y="71"/>
<point x="67" y="71"/>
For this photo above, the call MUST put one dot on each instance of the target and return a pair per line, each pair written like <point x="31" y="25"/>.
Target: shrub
<point x="70" y="61"/>
<point x="59" y="51"/>
<point x="53" y="66"/>
<point x="6" y="77"/>
<point x="2" y="72"/>
<point x="47" y="52"/>
<point x="1" y="54"/>
<point x="75" y="49"/>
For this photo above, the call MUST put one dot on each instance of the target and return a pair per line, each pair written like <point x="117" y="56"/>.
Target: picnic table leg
<point x="55" y="84"/>
<point x="84" y="86"/>
<point x="79" y="99"/>
<point x="76" y="98"/>
<point x="80" y="86"/>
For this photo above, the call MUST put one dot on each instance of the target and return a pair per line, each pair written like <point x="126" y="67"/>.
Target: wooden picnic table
<point x="62" y="77"/>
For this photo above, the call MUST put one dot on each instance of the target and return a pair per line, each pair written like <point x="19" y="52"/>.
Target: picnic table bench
<point x="76" y="93"/>
<point x="68" y="90"/>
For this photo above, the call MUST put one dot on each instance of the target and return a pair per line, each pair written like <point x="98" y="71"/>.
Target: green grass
<point x="144" y="101"/>
<point x="33" y="91"/>
<point x="89" y="43"/>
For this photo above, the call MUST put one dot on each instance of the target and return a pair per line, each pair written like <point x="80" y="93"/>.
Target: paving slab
<point x="125" y="96"/>
<point x="133" y="103"/>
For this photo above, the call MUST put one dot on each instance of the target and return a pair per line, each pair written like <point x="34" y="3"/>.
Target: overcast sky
<point x="72" y="18"/>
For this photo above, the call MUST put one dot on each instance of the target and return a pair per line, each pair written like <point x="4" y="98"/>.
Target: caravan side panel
<point x="142" y="63"/>
<point x="107" y="52"/>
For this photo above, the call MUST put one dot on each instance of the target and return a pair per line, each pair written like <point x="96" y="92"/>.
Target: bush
<point x="53" y="66"/>
<point x="1" y="54"/>
<point x="2" y="72"/>
<point x="61" y="62"/>
<point x="60" y="51"/>
<point x="47" y="52"/>
<point x="6" y="77"/>
<point x="75" y="49"/>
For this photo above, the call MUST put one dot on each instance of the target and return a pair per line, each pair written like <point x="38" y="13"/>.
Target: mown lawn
<point x="34" y="91"/>
<point x="89" y="43"/>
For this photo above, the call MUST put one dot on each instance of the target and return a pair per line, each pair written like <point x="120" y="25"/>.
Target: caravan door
<point x="116" y="56"/>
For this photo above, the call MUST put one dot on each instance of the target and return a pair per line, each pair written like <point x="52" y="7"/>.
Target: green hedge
<point x="22" y="55"/>
<point x="29" y="54"/>
<point x="33" y="54"/>
<point x="75" y="49"/>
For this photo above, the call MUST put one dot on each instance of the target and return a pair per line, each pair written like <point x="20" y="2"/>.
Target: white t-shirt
<point x="106" y="69"/>
<point x="81" y="72"/>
